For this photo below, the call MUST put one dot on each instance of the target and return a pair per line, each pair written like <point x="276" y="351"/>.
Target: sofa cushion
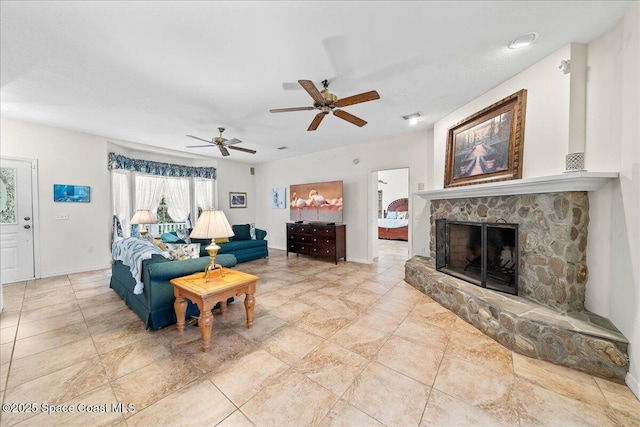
<point x="241" y="231"/>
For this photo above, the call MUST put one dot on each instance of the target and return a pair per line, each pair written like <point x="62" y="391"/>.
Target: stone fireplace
<point x="545" y="316"/>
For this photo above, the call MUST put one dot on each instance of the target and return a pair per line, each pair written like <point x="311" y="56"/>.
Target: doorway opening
<point x="390" y="234"/>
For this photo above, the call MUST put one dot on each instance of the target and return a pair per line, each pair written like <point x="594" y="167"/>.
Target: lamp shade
<point x="143" y="216"/>
<point x="212" y="225"/>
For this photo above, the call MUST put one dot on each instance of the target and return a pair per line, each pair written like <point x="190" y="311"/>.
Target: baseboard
<point x="81" y="270"/>
<point x="632" y="383"/>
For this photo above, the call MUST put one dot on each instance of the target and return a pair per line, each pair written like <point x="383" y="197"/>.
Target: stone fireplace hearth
<point x="547" y="320"/>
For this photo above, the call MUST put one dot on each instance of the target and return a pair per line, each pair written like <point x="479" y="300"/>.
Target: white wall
<point x="80" y="243"/>
<point x="407" y="150"/>
<point x="612" y="143"/>
<point x="546" y="135"/>
<point x="236" y="177"/>
<point x="396" y="187"/>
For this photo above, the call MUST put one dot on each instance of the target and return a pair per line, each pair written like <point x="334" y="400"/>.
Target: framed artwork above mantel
<point x="487" y="146"/>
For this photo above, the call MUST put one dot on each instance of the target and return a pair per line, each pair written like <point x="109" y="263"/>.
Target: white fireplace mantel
<point x="570" y="181"/>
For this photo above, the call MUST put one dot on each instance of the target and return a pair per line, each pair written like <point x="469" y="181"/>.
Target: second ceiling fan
<point x="221" y="143"/>
<point x="327" y="102"/>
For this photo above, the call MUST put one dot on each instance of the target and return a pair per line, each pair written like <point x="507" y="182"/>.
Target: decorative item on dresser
<point x="392" y="226"/>
<point x="327" y="241"/>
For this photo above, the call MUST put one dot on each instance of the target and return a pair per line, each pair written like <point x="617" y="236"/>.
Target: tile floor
<point x="345" y="345"/>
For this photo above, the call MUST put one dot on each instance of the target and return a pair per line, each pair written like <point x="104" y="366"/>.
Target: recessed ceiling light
<point x="523" y="41"/>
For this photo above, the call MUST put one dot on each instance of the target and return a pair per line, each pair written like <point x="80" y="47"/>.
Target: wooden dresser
<point x="327" y="241"/>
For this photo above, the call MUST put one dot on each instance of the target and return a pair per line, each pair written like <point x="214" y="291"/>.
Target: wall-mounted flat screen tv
<point x="316" y="202"/>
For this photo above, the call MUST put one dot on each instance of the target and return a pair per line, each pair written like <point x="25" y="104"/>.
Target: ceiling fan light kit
<point x="221" y="143"/>
<point x="327" y="102"/>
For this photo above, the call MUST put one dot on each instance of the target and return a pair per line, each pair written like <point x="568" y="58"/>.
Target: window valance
<point x="117" y="161"/>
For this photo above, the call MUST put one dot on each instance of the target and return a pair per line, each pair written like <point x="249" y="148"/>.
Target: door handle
<point x="26" y="218"/>
<point x="27" y="226"/>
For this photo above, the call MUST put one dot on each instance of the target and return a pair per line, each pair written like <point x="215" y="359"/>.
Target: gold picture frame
<point x="487" y="146"/>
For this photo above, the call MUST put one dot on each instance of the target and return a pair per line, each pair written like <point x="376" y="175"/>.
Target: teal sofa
<point x="155" y="304"/>
<point x="241" y="245"/>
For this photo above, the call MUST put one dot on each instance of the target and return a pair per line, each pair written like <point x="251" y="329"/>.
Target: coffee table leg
<point x="180" y="306"/>
<point x="249" y="303"/>
<point x="205" y="323"/>
<point x="223" y="306"/>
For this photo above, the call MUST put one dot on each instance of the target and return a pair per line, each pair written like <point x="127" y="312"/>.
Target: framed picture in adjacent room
<point x="488" y="145"/>
<point x="237" y="200"/>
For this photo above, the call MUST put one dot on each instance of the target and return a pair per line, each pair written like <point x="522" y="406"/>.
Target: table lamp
<point x="143" y="216"/>
<point x="212" y="225"/>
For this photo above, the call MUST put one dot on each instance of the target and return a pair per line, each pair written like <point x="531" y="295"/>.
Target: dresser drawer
<point x="299" y="238"/>
<point x="320" y="230"/>
<point x="323" y="240"/>
<point x="323" y="251"/>
<point x="299" y="228"/>
<point x="299" y="248"/>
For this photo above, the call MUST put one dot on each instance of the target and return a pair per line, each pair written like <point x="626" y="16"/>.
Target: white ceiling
<point x="152" y="72"/>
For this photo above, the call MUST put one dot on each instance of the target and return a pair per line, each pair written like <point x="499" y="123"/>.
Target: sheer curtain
<point x="148" y="191"/>
<point x="203" y="189"/>
<point x="120" y="197"/>
<point x="176" y="194"/>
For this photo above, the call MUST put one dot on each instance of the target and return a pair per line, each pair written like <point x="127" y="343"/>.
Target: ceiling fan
<point x="221" y="143"/>
<point x="327" y="102"/>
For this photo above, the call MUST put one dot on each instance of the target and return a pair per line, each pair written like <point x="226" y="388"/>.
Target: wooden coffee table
<point x="206" y="294"/>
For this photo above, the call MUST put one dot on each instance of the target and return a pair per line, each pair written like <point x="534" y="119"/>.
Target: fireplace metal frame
<point x="442" y="250"/>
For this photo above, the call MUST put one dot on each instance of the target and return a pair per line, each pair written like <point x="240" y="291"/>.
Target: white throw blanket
<point x="131" y="251"/>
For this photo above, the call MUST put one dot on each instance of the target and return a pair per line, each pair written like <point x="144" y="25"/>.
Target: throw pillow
<point x="169" y="238"/>
<point x="183" y="234"/>
<point x="392" y="215"/>
<point x="252" y="231"/>
<point x="181" y="252"/>
<point x="241" y="232"/>
<point x="402" y="215"/>
<point x="160" y="244"/>
<point x="221" y="240"/>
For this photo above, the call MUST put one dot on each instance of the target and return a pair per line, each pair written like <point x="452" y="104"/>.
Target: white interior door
<point x="16" y="221"/>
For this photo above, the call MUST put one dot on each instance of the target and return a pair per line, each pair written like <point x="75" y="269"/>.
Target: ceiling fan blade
<point x="246" y="150"/>
<point x="316" y="121"/>
<point x="232" y="141"/>
<point x="284" y="110"/>
<point x="349" y="117"/>
<point x="357" y="99"/>
<point x="195" y="137"/>
<point x="196" y="146"/>
<point x="223" y="150"/>
<point x="312" y="90"/>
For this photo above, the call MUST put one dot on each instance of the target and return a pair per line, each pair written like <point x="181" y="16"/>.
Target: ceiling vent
<point x="282" y="148"/>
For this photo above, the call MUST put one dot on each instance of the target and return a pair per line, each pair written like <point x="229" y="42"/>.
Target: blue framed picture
<point x="71" y="193"/>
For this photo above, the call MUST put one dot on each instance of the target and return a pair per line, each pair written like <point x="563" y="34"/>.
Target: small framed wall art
<point x="237" y="200"/>
<point x="278" y="198"/>
<point x="71" y="193"/>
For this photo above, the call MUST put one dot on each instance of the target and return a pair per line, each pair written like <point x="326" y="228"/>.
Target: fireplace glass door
<point x="479" y="253"/>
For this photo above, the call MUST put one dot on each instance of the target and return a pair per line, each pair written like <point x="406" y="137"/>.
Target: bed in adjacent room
<point x="395" y="224"/>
